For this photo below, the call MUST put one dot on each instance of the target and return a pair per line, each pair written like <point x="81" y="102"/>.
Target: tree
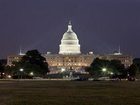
<point x="100" y="67"/>
<point x="118" y="68"/>
<point x="31" y="62"/>
<point x="132" y="70"/>
<point x="1" y="70"/>
<point x="96" y="67"/>
<point x="136" y="61"/>
<point x="2" y="67"/>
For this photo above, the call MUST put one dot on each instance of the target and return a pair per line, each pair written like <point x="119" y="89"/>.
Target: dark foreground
<point x="69" y="93"/>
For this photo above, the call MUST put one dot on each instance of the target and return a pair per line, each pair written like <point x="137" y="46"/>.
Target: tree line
<point x="114" y="69"/>
<point x="31" y="64"/>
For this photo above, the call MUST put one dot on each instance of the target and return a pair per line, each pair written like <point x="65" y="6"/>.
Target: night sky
<point x="101" y="25"/>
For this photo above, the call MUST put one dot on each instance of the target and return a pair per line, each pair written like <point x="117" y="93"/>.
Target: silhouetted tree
<point x="2" y="67"/>
<point x="132" y="70"/>
<point x="113" y="67"/>
<point x="31" y="62"/>
<point x="136" y="61"/>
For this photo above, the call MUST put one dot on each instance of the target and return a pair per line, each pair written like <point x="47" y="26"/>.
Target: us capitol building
<point x="70" y="56"/>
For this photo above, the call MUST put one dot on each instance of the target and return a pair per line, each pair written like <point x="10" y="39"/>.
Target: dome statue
<point x="69" y="43"/>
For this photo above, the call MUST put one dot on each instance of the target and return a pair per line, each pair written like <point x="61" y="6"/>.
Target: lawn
<point x="69" y="93"/>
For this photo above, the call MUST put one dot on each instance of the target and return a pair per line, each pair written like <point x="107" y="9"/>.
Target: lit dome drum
<point x="69" y="43"/>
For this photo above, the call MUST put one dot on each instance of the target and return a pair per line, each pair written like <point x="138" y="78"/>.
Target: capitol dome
<point x="69" y="43"/>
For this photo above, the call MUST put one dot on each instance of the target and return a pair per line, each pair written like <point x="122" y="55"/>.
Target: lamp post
<point x="21" y="70"/>
<point x="62" y="69"/>
<point x="111" y="73"/>
<point x="104" y="71"/>
<point x="9" y="76"/>
<point x="31" y="73"/>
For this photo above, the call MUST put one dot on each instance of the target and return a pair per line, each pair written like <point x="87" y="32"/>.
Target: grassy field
<point x="69" y="93"/>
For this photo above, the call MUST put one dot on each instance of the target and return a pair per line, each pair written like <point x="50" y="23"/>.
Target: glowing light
<point x="9" y="76"/>
<point x="21" y="69"/>
<point x="62" y="70"/>
<point x="104" y="69"/>
<point x="31" y="73"/>
<point x="69" y="43"/>
<point x="111" y="73"/>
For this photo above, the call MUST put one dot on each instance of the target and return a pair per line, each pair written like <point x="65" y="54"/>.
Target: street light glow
<point x="111" y="73"/>
<point x="104" y="69"/>
<point x="62" y="70"/>
<point x="21" y="69"/>
<point x="9" y="76"/>
<point x="31" y="73"/>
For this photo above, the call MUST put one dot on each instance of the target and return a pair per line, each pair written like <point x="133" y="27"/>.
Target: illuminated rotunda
<point x="69" y="43"/>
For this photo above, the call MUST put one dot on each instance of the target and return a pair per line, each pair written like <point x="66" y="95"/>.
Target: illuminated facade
<point x="127" y="60"/>
<point x="69" y="62"/>
<point x="13" y="58"/>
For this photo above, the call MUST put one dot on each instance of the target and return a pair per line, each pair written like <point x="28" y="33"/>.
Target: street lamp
<point x="62" y="69"/>
<point x="9" y="76"/>
<point x="21" y="70"/>
<point x="31" y="73"/>
<point x="111" y="73"/>
<point x="104" y="69"/>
